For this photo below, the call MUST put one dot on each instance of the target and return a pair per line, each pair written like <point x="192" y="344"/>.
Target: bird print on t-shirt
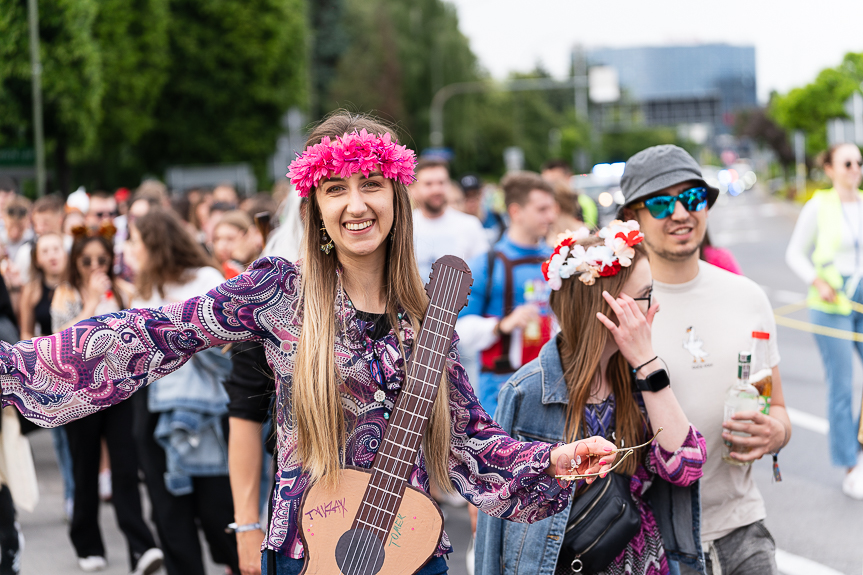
<point x="693" y="345"/>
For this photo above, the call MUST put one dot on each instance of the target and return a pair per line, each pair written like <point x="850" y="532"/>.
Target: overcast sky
<point x="793" y="39"/>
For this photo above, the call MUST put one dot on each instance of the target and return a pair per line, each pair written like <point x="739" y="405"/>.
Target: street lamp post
<point x="36" y="68"/>
<point x="444" y="94"/>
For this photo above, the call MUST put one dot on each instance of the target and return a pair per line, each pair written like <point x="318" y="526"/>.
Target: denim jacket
<point x="532" y="407"/>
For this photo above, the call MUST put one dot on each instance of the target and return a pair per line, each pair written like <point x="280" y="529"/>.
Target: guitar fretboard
<point x="402" y="439"/>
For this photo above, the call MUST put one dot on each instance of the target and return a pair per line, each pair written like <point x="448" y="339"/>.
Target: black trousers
<point x="210" y="505"/>
<point x="10" y="544"/>
<point x="85" y="435"/>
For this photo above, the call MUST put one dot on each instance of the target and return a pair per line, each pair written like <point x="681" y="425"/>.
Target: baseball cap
<point x="659" y="167"/>
<point x="470" y="182"/>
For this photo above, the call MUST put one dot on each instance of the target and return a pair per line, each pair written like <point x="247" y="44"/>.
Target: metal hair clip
<point x="626" y="451"/>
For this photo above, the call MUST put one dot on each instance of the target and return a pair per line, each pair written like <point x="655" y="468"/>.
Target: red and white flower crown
<point x="348" y="155"/>
<point x="601" y="260"/>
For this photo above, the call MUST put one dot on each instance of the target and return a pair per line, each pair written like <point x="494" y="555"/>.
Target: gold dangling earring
<point x="326" y="242"/>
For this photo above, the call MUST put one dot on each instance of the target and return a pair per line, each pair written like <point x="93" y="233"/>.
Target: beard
<point x="435" y="205"/>
<point x="678" y="254"/>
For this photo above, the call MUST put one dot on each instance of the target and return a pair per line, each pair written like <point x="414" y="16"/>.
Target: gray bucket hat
<point x="659" y="167"/>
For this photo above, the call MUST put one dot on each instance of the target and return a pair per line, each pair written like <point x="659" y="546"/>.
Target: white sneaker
<point x="105" y="485"/>
<point x="92" y="563"/>
<point x="150" y="562"/>
<point x="471" y="555"/>
<point x="852" y="485"/>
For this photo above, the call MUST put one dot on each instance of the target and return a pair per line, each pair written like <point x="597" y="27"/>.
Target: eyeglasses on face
<point x="660" y="207"/>
<point x="100" y="261"/>
<point x="849" y="163"/>
<point x="648" y="298"/>
<point x="101" y="215"/>
<point x="16" y="212"/>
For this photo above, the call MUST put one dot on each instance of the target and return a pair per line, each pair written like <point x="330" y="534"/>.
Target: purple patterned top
<point x="102" y="361"/>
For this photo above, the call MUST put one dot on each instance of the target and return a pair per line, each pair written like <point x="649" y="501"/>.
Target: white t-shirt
<point x="453" y="233"/>
<point x="701" y="327"/>
<point x="200" y="281"/>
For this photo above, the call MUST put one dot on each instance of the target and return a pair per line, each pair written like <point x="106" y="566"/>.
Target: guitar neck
<point x="402" y="439"/>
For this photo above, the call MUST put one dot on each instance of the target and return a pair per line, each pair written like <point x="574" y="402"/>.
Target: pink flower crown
<point x="601" y="260"/>
<point x="349" y="154"/>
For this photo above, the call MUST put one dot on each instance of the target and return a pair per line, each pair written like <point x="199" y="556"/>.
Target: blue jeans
<point x="64" y="461"/>
<point x="837" y="356"/>
<point x="289" y="566"/>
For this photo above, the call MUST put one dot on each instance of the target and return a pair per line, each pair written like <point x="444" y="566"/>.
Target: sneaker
<point x="470" y="555"/>
<point x="105" y="485"/>
<point x="150" y="562"/>
<point x="852" y="485"/>
<point x="92" y="563"/>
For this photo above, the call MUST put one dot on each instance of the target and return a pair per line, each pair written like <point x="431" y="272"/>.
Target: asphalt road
<point x="816" y="527"/>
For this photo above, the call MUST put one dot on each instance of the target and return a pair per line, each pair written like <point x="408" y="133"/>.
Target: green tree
<point x="808" y="108"/>
<point x="72" y="79"/>
<point x="236" y="67"/>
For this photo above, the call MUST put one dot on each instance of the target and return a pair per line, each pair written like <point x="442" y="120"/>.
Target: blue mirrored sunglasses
<point x="660" y="207"/>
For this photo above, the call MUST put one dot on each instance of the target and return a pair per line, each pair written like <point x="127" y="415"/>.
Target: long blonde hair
<point x="581" y="342"/>
<point x="316" y="404"/>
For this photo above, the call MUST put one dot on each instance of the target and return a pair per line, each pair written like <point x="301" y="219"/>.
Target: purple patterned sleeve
<point x="503" y="477"/>
<point x="103" y="360"/>
<point x="684" y="466"/>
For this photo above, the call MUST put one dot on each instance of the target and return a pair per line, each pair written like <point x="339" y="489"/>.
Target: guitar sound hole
<point x="359" y="552"/>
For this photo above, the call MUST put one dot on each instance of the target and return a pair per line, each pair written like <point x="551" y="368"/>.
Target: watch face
<point x="654" y="382"/>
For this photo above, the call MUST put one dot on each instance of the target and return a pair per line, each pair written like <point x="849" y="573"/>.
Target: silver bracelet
<point x="234" y="528"/>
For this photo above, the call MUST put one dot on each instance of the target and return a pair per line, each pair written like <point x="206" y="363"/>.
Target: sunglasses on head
<point x="660" y="207"/>
<point x="849" y="163"/>
<point x="87" y="261"/>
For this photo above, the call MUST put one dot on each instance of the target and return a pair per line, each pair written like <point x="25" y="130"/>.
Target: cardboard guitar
<point x="375" y="523"/>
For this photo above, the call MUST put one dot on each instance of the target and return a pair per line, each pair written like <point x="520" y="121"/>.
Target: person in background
<point x="708" y="316"/>
<point x="8" y="190"/>
<point x="47" y="268"/>
<point x="599" y="376"/>
<point x="569" y="217"/>
<point x="506" y="318"/>
<point x="236" y="241"/>
<point x="74" y="218"/>
<point x="102" y="211"/>
<point x="187" y="479"/>
<point x="492" y="222"/>
<point x="455" y="196"/>
<point x="226" y="194"/>
<point x="826" y="252"/>
<point x="214" y="215"/>
<point x="559" y="171"/>
<point x="719" y="257"/>
<point x="47" y="217"/>
<point x="16" y="221"/>
<point x="438" y="229"/>
<point x="90" y="289"/>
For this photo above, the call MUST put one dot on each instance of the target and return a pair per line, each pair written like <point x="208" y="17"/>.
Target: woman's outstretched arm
<point x="103" y="360"/>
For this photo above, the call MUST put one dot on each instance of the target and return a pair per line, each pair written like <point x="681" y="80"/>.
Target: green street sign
<point x="17" y="157"/>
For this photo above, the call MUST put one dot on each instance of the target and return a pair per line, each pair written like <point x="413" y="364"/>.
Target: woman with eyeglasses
<point x="598" y="377"/>
<point x="90" y="288"/>
<point x="826" y="252"/>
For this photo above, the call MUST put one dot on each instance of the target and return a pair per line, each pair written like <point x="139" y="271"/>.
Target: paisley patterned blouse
<point x="104" y="360"/>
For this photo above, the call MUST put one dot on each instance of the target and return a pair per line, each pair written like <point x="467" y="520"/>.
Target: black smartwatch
<point x="653" y="382"/>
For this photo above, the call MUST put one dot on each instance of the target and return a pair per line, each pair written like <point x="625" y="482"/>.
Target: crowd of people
<point x="250" y="380"/>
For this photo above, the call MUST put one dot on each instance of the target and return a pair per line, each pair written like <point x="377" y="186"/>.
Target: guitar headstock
<point x="450" y="276"/>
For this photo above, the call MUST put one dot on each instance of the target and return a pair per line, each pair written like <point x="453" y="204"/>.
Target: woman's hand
<point x="825" y="291"/>
<point x="586" y="456"/>
<point x="249" y="550"/>
<point x="96" y="288"/>
<point x="632" y="332"/>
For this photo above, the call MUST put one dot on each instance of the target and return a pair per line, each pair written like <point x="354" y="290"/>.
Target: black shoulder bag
<point x="602" y="522"/>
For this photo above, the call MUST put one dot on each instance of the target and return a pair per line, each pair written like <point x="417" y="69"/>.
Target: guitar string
<point x="388" y="485"/>
<point x="446" y="284"/>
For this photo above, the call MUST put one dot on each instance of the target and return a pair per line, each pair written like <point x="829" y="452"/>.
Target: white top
<point x="453" y="233"/>
<point x="799" y="252"/>
<point x="701" y="327"/>
<point x="201" y="280"/>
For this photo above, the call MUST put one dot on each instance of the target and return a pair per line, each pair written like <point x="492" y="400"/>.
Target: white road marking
<point x="808" y="421"/>
<point x="790" y="564"/>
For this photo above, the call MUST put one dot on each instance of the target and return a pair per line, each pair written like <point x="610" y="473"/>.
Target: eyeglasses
<point x="16" y="212"/>
<point x="100" y="261"/>
<point x="648" y="298"/>
<point x="660" y="207"/>
<point x="626" y="451"/>
<point x="101" y="215"/>
<point x="849" y="163"/>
